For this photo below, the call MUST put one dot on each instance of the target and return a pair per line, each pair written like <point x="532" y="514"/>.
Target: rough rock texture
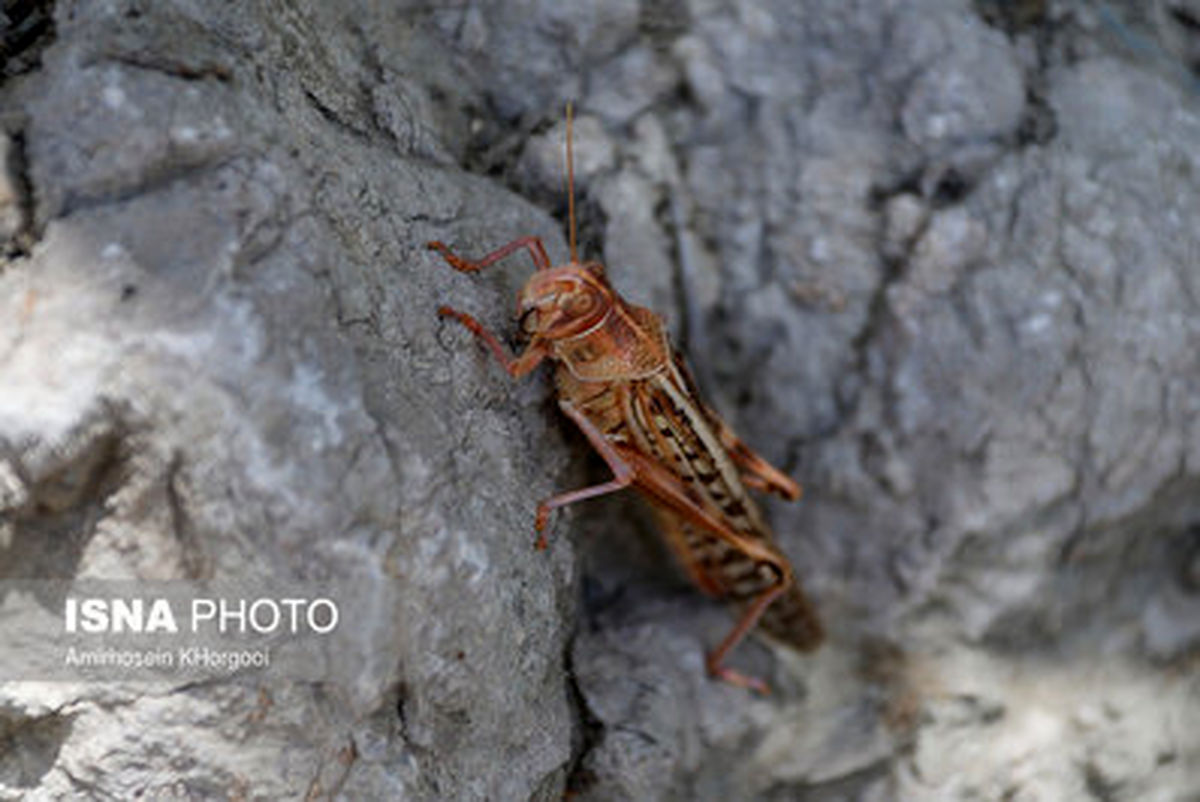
<point x="938" y="259"/>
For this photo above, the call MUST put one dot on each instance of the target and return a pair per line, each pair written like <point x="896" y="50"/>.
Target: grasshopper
<point x="628" y="390"/>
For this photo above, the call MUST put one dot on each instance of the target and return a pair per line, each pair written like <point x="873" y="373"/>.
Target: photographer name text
<point x="191" y="657"/>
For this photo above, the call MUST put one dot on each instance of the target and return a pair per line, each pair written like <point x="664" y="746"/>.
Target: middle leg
<point x="622" y="473"/>
<point x="516" y="367"/>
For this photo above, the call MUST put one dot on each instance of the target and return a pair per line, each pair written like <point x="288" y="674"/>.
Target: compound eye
<point x="529" y="321"/>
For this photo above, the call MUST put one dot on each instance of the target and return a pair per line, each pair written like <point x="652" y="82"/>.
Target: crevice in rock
<point x="1039" y="123"/>
<point x="939" y="185"/>
<point x="1012" y="16"/>
<point x="16" y="170"/>
<point x="400" y="704"/>
<point x="494" y="142"/>
<point x="848" y="786"/>
<point x="662" y="22"/>
<point x="169" y="66"/>
<point x="1188" y="24"/>
<point x="1028" y="19"/>
<point x="92" y="791"/>
<point x="694" y="341"/>
<point x="1189" y="562"/>
<point x="893" y="268"/>
<point x="65" y="504"/>
<point x="588" y="726"/>
<point x="159" y="39"/>
<point x="499" y="163"/>
<point x="1185" y="19"/>
<point x="333" y="118"/>
<point x="1098" y="786"/>
<point x="154" y="178"/>
<point x="26" y="30"/>
<point x="375" y="77"/>
<point x="494" y="149"/>
<point x="1105" y="577"/>
<point x="29" y="747"/>
<point x="196" y="564"/>
<point x="946" y="188"/>
<point x="590" y="220"/>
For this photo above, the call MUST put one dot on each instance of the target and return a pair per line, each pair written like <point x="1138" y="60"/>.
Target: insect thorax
<point x="627" y="345"/>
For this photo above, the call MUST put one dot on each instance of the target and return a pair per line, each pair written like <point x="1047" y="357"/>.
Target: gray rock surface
<point x="937" y="259"/>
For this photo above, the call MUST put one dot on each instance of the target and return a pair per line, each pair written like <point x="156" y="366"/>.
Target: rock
<point x="222" y="360"/>
<point x="934" y="258"/>
<point x="12" y="216"/>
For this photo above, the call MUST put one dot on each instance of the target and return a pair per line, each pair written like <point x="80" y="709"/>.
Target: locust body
<point x="619" y="379"/>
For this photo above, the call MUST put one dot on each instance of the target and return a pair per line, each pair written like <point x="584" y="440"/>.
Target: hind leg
<point x="735" y="636"/>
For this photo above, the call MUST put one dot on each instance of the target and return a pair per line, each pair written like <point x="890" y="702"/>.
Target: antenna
<point x="571" y="182"/>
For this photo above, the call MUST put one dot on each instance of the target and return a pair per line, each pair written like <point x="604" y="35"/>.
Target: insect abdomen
<point x="791" y="618"/>
<point x="601" y="402"/>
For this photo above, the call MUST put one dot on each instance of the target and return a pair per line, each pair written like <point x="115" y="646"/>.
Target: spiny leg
<point x="538" y="251"/>
<point x="518" y="367"/>
<point x="735" y="636"/>
<point x="622" y="473"/>
<point x="666" y="489"/>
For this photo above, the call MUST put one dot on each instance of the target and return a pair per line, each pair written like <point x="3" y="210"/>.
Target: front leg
<point x="523" y="364"/>
<point x="538" y="251"/>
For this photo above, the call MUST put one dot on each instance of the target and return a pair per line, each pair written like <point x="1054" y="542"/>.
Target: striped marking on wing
<point x="738" y="575"/>
<point x="725" y="572"/>
<point x="676" y="432"/>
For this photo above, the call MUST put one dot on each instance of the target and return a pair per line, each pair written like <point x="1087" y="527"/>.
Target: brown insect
<point x="628" y="390"/>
